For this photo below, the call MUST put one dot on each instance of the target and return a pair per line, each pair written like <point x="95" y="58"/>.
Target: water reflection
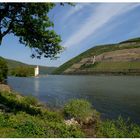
<point x="36" y="86"/>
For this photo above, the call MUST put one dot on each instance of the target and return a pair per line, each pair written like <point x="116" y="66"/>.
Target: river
<point x="110" y="95"/>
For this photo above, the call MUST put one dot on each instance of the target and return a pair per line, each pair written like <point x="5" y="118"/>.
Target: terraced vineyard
<point x="123" y="57"/>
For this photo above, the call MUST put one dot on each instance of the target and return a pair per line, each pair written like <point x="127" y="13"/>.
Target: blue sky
<point x="82" y="27"/>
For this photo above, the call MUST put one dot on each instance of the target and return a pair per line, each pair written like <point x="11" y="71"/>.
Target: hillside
<point x="120" y="58"/>
<point x="43" y="70"/>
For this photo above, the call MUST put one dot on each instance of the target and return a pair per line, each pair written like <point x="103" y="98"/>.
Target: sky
<point x="81" y="27"/>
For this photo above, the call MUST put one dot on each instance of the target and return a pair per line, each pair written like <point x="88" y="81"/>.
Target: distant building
<point x="91" y="60"/>
<point x="37" y="71"/>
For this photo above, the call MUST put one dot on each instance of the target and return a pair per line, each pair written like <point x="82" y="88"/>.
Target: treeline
<point x="3" y="70"/>
<point x="22" y="71"/>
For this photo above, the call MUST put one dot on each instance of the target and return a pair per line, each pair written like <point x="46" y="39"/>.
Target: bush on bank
<point x="31" y="120"/>
<point x="18" y="103"/>
<point x="3" y="70"/>
<point x="26" y="117"/>
<point x="119" y="128"/>
<point x="22" y="71"/>
<point x="81" y="110"/>
<point x="78" y="109"/>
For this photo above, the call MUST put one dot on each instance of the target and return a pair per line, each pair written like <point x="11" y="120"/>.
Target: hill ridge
<point x="97" y="50"/>
<point x="14" y="63"/>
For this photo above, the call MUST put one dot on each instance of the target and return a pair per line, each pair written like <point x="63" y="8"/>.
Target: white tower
<point x="37" y="71"/>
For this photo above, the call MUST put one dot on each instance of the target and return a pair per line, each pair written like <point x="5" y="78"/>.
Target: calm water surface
<point x="110" y="95"/>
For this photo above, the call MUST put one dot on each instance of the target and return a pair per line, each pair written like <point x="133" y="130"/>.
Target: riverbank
<point x="105" y="73"/>
<point x="26" y="117"/>
<point x="22" y="116"/>
<point x="4" y="87"/>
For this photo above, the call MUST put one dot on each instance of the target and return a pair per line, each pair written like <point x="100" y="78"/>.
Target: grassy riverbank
<point x="26" y="117"/>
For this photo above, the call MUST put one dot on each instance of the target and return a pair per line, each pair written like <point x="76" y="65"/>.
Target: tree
<point x="3" y="70"/>
<point x="22" y="71"/>
<point x="30" y="22"/>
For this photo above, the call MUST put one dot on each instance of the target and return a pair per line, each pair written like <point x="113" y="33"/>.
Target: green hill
<point x="43" y="69"/>
<point x="129" y="62"/>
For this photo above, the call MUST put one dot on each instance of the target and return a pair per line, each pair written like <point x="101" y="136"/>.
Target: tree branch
<point x="8" y="30"/>
<point x="11" y="23"/>
<point x="4" y="12"/>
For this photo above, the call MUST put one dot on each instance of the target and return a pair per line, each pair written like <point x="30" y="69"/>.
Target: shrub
<point x="15" y="104"/>
<point x="52" y="116"/>
<point x="22" y="71"/>
<point x="32" y="122"/>
<point x="135" y="133"/>
<point x="34" y="126"/>
<point x="3" y="70"/>
<point x="79" y="109"/>
<point x="119" y="128"/>
<point x="27" y="125"/>
<point x="30" y="100"/>
<point x="61" y="130"/>
<point x="3" y="119"/>
<point x="6" y="132"/>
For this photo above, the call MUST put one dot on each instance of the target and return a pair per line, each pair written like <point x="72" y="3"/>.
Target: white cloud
<point x="73" y="11"/>
<point x="101" y="15"/>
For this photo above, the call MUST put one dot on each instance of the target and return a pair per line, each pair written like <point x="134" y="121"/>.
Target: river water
<point x="110" y="95"/>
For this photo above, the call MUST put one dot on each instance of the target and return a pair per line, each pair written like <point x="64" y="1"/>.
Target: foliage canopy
<point x="30" y="22"/>
<point x="22" y="71"/>
<point x="3" y="69"/>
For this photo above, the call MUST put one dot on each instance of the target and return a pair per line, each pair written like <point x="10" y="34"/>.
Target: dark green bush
<point x="61" y="130"/>
<point x="119" y="128"/>
<point x="26" y="125"/>
<point x="22" y="71"/>
<point x="3" y="70"/>
<point x="15" y="104"/>
<point x="31" y="100"/>
<point x="52" y="116"/>
<point x="79" y="109"/>
<point x="6" y="132"/>
<point x="3" y="119"/>
<point x="34" y="126"/>
<point x="32" y="122"/>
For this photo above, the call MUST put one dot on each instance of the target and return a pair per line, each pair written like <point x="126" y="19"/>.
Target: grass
<point x="17" y="103"/>
<point x="113" y="67"/>
<point x="25" y="125"/>
<point x="119" y="128"/>
<point x="27" y="118"/>
<point x="96" y="51"/>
